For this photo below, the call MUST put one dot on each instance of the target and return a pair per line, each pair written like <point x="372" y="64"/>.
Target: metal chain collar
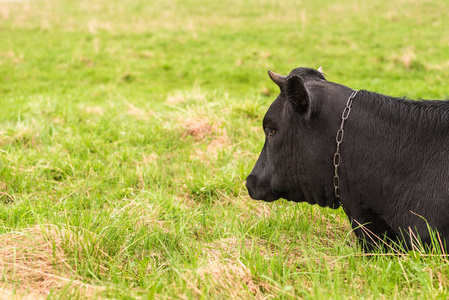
<point x="339" y="139"/>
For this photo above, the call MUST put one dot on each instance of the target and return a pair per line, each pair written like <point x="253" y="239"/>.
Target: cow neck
<point x="339" y="140"/>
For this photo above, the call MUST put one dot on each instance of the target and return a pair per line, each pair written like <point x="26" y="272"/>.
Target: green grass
<point x="127" y="129"/>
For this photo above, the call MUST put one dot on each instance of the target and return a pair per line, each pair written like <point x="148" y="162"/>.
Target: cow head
<point x="300" y="127"/>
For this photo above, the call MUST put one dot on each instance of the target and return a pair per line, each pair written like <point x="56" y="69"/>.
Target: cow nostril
<point x="250" y="180"/>
<point x="250" y="185"/>
<point x="259" y="189"/>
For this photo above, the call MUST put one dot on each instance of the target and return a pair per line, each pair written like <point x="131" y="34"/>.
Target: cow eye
<point x="269" y="131"/>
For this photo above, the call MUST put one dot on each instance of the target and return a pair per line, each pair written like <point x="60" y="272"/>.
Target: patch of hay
<point x="229" y="275"/>
<point x="407" y="59"/>
<point x="193" y="95"/>
<point x="185" y="201"/>
<point x="20" y="133"/>
<point x="229" y="246"/>
<point x="94" y="110"/>
<point x="138" y="113"/>
<point x="150" y="159"/>
<point x="197" y="128"/>
<point x="5" y="13"/>
<point x="94" y="26"/>
<point x="439" y="67"/>
<point x="219" y="143"/>
<point x="176" y="99"/>
<point x="11" y="56"/>
<point x="249" y="208"/>
<point x="32" y="264"/>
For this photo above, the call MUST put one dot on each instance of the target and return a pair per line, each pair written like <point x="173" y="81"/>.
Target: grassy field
<point x="127" y="129"/>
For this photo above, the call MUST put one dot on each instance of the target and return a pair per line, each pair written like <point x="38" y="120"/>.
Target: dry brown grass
<point x="46" y="14"/>
<point x="204" y="130"/>
<point x="198" y="128"/>
<point x="148" y="214"/>
<point x="176" y="99"/>
<point x="11" y="56"/>
<point x="5" y="197"/>
<point x="406" y="59"/>
<point x="219" y="141"/>
<point x="138" y="113"/>
<point x="26" y="134"/>
<point x="94" y="110"/>
<point x="195" y="95"/>
<point x="229" y="276"/>
<point x="185" y="201"/>
<point x="33" y="264"/>
<point x="224" y="270"/>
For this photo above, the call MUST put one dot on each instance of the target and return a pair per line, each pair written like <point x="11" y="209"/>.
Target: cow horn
<point x="278" y="79"/>
<point x="320" y="69"/>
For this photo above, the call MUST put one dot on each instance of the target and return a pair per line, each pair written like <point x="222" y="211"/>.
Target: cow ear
<point x="297" y="93"/>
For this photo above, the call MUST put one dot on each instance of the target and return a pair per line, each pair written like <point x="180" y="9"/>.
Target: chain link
<point x="339" y="139"/>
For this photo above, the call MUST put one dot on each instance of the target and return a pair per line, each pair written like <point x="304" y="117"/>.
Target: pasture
<point x="127" y="129"/>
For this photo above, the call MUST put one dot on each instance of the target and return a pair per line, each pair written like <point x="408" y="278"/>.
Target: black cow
<point x="390" y="173"/>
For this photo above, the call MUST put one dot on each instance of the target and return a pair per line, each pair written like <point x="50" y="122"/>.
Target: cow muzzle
<point x="260" y="190"/>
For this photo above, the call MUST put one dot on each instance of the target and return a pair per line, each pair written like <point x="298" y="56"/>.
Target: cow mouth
<point x="289" y="197"/>
<point x="260" y="191"/>
<point x="271" y="196"/>
<point x="263" y="190"/>
<point x="266" y="196"/>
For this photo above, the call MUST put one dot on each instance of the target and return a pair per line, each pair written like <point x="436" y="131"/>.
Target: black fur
<point x="394" y="172"/>
<point x="307" y="74"/>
